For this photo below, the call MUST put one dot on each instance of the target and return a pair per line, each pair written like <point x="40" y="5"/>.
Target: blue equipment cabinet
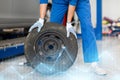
<point x="12" y="47"/>
<point x="11" y="51"/>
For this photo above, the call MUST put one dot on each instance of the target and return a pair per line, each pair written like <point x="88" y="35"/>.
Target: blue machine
<point x="18" y="49"/>
<point x="11" y="47"/>
<point x="11" y="51"/>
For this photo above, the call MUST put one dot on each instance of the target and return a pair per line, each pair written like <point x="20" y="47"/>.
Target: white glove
<point x="39" y="24"/>
<point x="69" y="29"/>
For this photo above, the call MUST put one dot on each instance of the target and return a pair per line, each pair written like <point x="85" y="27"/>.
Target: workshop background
<point x="16" y="16"/>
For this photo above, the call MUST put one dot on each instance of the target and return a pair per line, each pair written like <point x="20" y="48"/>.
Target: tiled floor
<point x="109" y="52"/>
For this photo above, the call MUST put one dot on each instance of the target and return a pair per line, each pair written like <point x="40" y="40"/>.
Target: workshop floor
<point x="109" y="52"/>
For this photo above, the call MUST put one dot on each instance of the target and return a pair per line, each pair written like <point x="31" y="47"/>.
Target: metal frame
<point x="98" y="29"/>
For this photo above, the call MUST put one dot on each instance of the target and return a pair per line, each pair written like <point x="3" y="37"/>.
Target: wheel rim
<point x="50" y="50"/>
<point x="49" y="45"/>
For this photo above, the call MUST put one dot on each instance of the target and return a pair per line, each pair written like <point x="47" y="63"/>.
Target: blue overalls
<point x="59" y="9"/>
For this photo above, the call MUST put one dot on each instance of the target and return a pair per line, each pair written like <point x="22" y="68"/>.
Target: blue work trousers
<point x="83" y="11"/>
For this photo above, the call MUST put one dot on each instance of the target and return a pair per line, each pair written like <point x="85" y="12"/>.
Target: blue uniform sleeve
<point x="73" y="2"/>
<point x="43" y="1"/>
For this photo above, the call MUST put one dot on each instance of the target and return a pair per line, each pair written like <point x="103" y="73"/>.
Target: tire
<point x="50" y="51"/>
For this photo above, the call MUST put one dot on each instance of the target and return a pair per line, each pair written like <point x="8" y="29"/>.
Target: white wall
<point x="110" y="8"/>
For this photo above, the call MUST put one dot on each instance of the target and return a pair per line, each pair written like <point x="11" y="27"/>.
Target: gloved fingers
<point x="68" y="33"/>
<point x="74" y="34"/>
<point x="39" y="28"/>
<point x="32" y="27"/>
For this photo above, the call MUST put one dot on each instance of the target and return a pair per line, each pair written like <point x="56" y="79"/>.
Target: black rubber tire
<point x="50" y="51"/>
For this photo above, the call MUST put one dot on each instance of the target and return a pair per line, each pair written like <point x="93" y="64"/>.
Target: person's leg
<point x="88" y="37"/>
<point x="58" y="12"/>
<point x="90" y="51"/>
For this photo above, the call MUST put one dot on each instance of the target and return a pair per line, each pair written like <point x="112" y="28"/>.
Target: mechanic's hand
<point x="39" y="24"/>
<point x="69" y="29"/>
